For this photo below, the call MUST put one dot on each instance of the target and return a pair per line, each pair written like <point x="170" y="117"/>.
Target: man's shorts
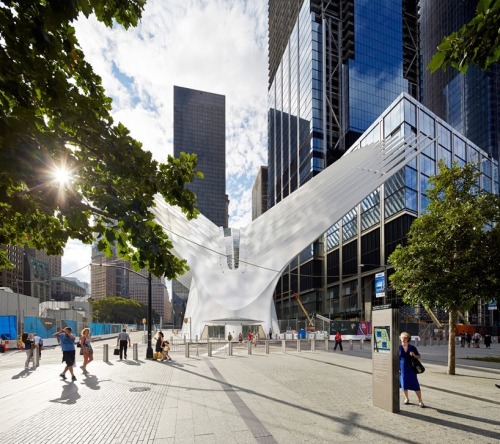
<point x="69" y="357"/>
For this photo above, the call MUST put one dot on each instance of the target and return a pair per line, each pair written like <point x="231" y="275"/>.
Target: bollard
<point x="283" y="346"/>
<point x="135" y="351"/>
<point x="249" y="347"/>
<point x="313" y="343"/>
<point x="267" y="347"/>
<point x="361" y="343"/>
<point x="230" y="348"/>
<point x="209" y="348"/>
<point x="351" y="346"/>
<point x="105" y="353"/>
<point x="186" y="349"/>
<point x="298" y="345"/>
<point x="326" y="344"/>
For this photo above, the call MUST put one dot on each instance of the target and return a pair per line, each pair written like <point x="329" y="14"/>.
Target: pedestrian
<point x="338" y="341"/>
<point x="166" y="349"/>
<point x="270" y="333"/>
<point x="462" y="339"/>
<point x="38" y="344"/>
<point x="476" y="339"/>
<point x="86" y="348"/>
<point x="159" y="346"/>
<point x="229" y="337"/>
<point x="67" y="341"/>
<point x="407" y="377"/>
<point x="487" y="340"/>
<point x="255" y="338"/>
<point x="240" y="338"/>
<point x="122" y="341"/>
<point x="250" y="336"/>
<point x="27" y="340"/>
<point x="468" y="338"/>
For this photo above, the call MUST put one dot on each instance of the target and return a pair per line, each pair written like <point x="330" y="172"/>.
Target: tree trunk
<point x="452" y="322"/>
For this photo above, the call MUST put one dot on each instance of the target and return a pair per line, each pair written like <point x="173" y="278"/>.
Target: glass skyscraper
<point x="470" y="102"/>
<point x="334" y="66"/>
<point x="200" y="128"/>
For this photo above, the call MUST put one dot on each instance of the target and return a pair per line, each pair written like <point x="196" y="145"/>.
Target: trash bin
<point x="302" y="334"/>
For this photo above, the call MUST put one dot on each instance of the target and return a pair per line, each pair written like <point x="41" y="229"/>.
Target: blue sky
<point x="218" y="46"/>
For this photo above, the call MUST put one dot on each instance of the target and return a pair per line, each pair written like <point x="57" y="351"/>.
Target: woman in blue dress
<point x="407" y="377"/>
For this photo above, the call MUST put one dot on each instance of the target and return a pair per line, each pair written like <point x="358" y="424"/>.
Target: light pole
<point x="149" y="349"/>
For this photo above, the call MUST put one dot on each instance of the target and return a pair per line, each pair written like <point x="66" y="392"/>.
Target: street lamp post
<point x="149" y="350"/>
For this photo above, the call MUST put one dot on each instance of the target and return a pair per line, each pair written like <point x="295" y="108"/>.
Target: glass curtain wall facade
<point x="334" y="66"/>
<point x="370" y="232"/>
<point x="470" y="102"/>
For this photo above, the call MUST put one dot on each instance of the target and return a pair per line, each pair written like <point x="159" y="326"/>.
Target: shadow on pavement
<point x="22" y="374"/>
<point x="69" y="394"/>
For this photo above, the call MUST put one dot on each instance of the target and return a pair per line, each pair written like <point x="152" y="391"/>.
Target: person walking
<point x="468" y="338"/>
<point x="240" y="338"/>
<point x="67" y="341"/>
<point x="462" y="339"/>
<point x="122" y="341"/>
<point x="38" y="344"/>
<point x="166" y="349"/>
<point x="487" y="340"/>
<point x="28" y="342"/>
<point x="159" y="346"/>
<point x="338" y="341"/>
<point x="86" y="348"/>
<point x="270" y="333"/>
<point x="408" y="378"/>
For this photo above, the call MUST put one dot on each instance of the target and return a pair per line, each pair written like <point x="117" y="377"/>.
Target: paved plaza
<point x="292" y="397"/>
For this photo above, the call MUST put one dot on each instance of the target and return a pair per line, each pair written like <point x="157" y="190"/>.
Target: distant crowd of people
<point x="475" y="339"/>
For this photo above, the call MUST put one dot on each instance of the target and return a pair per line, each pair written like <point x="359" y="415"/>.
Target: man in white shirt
<point x="123" y="339"/>
<point x="37" y="340"/>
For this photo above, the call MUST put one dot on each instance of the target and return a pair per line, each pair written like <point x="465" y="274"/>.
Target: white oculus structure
<point x="233" y="273"/>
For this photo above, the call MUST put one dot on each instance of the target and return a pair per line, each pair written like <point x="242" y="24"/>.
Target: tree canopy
<point x="477" y="42"/>
<point x="120" y="310"/>
<point x="55" y="117"/>
<point x="450" y="259"/>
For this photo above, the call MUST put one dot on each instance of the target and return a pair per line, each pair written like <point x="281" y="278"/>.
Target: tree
<point x="55" y="117"/>
<point x="120" y="310"/>
<point x="477" y="42"/>
<point x="450" y="259"/>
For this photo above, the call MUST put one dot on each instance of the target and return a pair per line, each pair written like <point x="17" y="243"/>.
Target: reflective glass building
<point x="370" y="232"/>
<point x="334" y="67"/>
<point x="470" y="102"/>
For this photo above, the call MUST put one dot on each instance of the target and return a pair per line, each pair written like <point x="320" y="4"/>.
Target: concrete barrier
<point x="283" y="346"/>
<point x="135" y="351"/>
<point x="298" y="345"/>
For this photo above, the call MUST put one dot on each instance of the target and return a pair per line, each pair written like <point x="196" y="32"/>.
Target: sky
<point x="219" y="46"/>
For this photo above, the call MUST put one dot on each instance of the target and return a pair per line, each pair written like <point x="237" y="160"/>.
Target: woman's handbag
<point x="116" y="352"/>
<point x="416" y="365"/>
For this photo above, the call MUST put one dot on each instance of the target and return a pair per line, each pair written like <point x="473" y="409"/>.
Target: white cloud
<point x="218" y="46"/>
